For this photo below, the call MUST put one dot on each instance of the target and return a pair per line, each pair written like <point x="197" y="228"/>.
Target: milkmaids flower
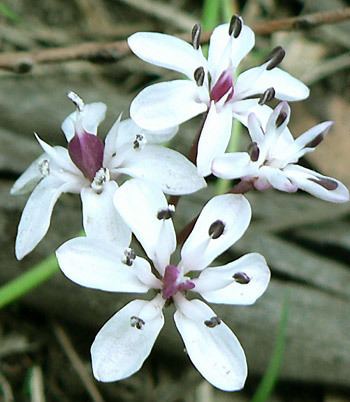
<point x="271" y="160"/>
<point x="210" y="86"/>
<point x="125" y="341"/>
<point x="90" y="167"/>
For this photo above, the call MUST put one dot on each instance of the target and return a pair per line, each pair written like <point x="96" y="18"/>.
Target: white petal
<point x="225" y="50"/>
<point x="309" y="135"/>
<point x="112" y="142"/>
<point x="217" y="285"/>
<point x="128" y="129"/>
<point x="215" y="352"/>
<point x="200" y="248"/>
<point x="100" y="218"/>
<point x="29" y="178"/>
<point x="139" y="202"/>
<point x="36" y="216"/>
<point x="120" y="349"/>
<point x="166" y="104"/>
<point x="233" y="166"/>
<point x="160" y="136"/>
<point x="170" y="170"/>
<point x="303" y="178"/>
<point x="273" y="127"/>
<point x="256" y="130"/>
<point x="257" y="80"/>
<point x="243" y="108"/>
<point x="214" y="138"/>
<point x="91" y="116"/>
<point x="167" y="51"/>
<point x="98" y="264"/>
<point x="59" y="156"/>
<point x="278" y="179"/>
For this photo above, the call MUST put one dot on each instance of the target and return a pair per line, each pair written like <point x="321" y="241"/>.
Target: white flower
<point x="210" y="86"/>
<point x="273" y="156"/>
<point x="90" y="168"/>
<point x="125" y="341"/>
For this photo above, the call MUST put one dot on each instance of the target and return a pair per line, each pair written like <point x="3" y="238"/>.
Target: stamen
<point x="199" y="75"/>
<point x="196" y="36"/>
<point x="216" y="229"/>
<point x="281" y="118"/>
<point x="317" y="140"/>
<point x="235" y="27"/>
<point x="253" y="151"/>
<point x="213" y="322"/>
<point x="130" y="256"/>
<point x="76" y="99"/>
<point x="275" y="57"/>
<point x="101" y="177"/>
<point x="241" y="277"/>
<point x="139" y="142"/>
<point x="136" y="322"/>
<point x="267" y="96"/>
<point x="328" y="184"/>
<point x="166" y="213"/>
<point x="44" y="168"/>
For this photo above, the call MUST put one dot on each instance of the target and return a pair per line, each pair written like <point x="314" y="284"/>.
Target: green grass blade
<point x="6" y="12"/>
<point x="29" y="280"/>
<point x="227" y="9"/>
<point x="270" y="377"/>
<point x="210" y="14"/>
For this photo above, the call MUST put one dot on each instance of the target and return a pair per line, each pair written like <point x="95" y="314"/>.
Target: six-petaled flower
<point x="126" y="340"/>
<point x="211" y="86"/>
<point x="91" y="168"/>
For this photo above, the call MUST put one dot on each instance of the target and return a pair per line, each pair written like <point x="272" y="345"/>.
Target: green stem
<point x="269" y="379"/>
<point x="29" y="280"/>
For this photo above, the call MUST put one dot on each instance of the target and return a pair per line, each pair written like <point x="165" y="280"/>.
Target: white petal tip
<point x="20" y="253"/>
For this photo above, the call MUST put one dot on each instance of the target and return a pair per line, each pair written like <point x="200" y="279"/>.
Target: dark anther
<point x="241" y="277"/>
<point x="253" y="151"/>
<point x="136" y="322"/>
<point x="328" y="184"/>
<point x="130" y="256"/>
<point x="275" y="57"/>
<point x="235" y="26"/>
<point x="315" y="141"/>
<point x="213" y="322"/>
<point x="138" y="140"/>
<point x="199" y="75"/>
<point x="216" y="229"/>
<point x="281" y="118"/>
<point x="196" y="36"/>
<point x="267" y="96"/>
<point x="166" y="213"/>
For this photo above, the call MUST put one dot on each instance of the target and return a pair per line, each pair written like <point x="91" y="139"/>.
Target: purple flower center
<point x="86" y="151"/>
<point x="172" y="283"/>
<point x="223" y="86"/>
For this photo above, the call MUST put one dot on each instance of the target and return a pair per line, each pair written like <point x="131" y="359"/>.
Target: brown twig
<point x="303" y="21"/>
<point x="21" y="62"/>
<point x="77" y="364"/>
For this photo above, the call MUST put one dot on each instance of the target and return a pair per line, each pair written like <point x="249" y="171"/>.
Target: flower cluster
<point x="114" y="208"/>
